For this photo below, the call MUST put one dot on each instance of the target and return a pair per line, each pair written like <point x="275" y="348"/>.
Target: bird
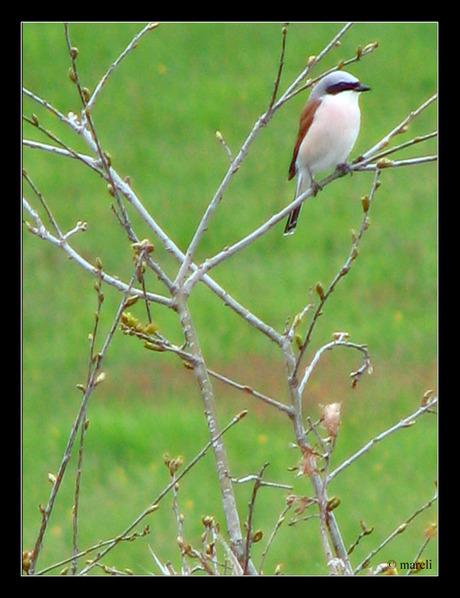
<point x="328" y="129"/>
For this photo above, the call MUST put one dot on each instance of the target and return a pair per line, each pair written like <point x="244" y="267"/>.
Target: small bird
<point x="328" y="129"/>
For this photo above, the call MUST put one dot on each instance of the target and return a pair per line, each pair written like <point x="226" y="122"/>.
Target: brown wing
<point x="306" y="119"/>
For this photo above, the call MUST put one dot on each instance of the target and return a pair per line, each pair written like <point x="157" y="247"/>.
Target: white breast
<point x="332" y="134"/>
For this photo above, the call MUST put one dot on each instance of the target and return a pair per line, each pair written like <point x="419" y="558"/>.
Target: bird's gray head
<point x="335" y="83"/>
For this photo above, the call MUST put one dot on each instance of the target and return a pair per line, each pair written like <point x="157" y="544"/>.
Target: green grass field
<point x="157" y="117"/>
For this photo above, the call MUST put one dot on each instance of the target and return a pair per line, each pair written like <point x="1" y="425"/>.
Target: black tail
<point x="292" y="221"/>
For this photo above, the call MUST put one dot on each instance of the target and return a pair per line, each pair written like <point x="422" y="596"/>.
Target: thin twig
<point x="179" y="524"/>
<point x="428" y="537"/>
<point x="261" y="230"/>
<point x="132" y="44"/>
<point x="280" y="66"/>
<point x="340" y="342"/>
<point x="249" y="534"/>
<point x="368" y="49"/>
<point x="251" y="391"/>
<point x="279" y="522"/>
<point x="76" y="504"/>
<point x="93" y="362"/>
<point x="400" y="128"/>
<point x="45" y="105"/>
<point x="88" y="161"/>
<point x="295" y="87"/>
<point x="41" y="199"/>
<point x="404" y="423"/>
<point x="91" y="549"/>
<point x="405" y="145"/>
<point x="154" y="505"/>
<point x="324" y="295"/>
<point x="40" y="231"/>
<point x="365" y="531"/>
<point x="399" y="530"/>
<point x="261" y="122"/>
<point x="384" y="163"/>
<point x="91" y="385"/>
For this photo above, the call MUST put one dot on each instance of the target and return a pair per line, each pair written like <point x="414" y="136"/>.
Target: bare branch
<point x="397" y="148"/>
<point x="295" y="88"/>
<point x="280" y="66"/>
<point x="40" y="231"/>
<point x="153" y="506"/>
<point x="234" y="166"/>
<point x="45" y="105"/>
<point x="249" y="532"/>
<point x="324" y="295"/>
<point x="227" y="252"/>
<point x="401" y="128"/>
<point x="92" y="382"/>
<point x="170" y="246"/>
<point x="404" y="423"/>
<point x="221" y="139"/>
<point x="131" y="46"/>
<point x="278" y="524"/>
<point x="247" y="389"/>
<point x="399" y="530"/>
<point x="339" y="342"/>
<point x="220" y="454"/>
<point x="384" y="163"/>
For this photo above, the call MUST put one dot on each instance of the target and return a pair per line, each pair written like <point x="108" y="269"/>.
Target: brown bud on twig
<point x="258" y="535"/>
<point x="320" y="290"/>
<point x="426" y="397"/>
<point x="72" y="75"/>
<point x="27" y="559"/>
<point x="333" y="503"/>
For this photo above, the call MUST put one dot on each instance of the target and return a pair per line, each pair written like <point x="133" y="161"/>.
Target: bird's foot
<point x="315" y="187"/>
<point x="343" y="169"/>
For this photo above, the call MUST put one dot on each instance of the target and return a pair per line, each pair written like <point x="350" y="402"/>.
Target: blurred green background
<point x="157" y="117"/>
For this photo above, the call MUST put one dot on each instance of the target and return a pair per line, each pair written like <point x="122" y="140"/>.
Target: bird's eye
<point x="342" y="86"/>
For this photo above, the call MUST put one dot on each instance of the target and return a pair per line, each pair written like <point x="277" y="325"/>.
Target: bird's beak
<point x="362" y="87"/>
